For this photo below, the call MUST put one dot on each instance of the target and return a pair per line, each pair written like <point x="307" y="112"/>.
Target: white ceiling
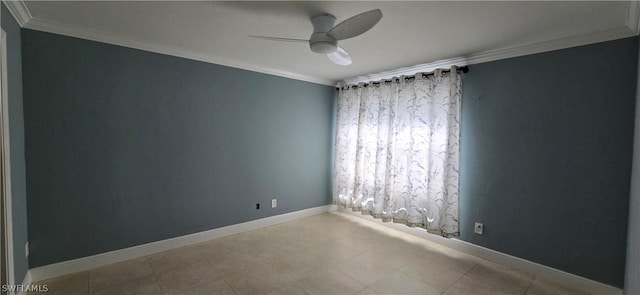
<point x="410" y="33"/>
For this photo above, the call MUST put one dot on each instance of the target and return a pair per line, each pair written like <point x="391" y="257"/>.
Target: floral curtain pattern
<point x="397" y="150"/>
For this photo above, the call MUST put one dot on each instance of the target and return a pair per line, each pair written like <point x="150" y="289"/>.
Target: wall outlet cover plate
<point x="479" y="228"/>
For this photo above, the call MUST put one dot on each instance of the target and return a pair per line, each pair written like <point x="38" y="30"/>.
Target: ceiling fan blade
<point x="280" y="39"/>
<point x="356" y="25"/>
<point x="340" y="57"/>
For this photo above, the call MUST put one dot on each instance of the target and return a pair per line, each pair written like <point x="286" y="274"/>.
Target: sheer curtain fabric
<point x="398" y="148"/>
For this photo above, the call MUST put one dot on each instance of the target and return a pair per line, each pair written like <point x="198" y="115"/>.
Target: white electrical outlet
<point x="274" y="203"/>
<point x="479" y="228"/>
<point x="26" y="249"/>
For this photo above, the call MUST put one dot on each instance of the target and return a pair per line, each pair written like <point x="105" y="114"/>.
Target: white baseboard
<point x="539" y="270"/>
<point x="543" y="271"/>
<point x="85" y="263"/>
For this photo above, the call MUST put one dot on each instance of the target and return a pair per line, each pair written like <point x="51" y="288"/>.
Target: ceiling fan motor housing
<point x="323" y="43"/>
<point x="320" y="41"/>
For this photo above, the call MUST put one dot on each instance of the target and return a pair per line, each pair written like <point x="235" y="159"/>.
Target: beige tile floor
<point x="331" y="253"/>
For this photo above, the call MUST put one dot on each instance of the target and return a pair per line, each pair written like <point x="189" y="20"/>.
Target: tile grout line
<point x="229" y="285"/>
<point x="203" y="283"/>
<point x="530" y="285"/>
<point x="89" y="282"/>
<point x="460" y="278"/>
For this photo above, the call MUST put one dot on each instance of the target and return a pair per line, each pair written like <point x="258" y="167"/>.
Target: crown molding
<point x="24" y="18"/>
<point x="631" y="28"/>
<point x="421" y="68"/>
<point x="19" y="11"/>
<point x="120" y="40"/>
<point x="499" y="54"/>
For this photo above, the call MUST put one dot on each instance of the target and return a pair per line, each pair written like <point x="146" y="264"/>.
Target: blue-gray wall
<point x="16" y="137"/>
<point x="632" y="274"/>
<point x="546" y="156"/>
<point x="126" y="147"/>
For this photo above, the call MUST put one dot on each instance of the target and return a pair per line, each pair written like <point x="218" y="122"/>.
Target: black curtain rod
<point x="464" y="69"/>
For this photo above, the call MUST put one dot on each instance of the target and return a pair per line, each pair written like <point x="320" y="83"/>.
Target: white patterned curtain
<point x="397" y="150"/>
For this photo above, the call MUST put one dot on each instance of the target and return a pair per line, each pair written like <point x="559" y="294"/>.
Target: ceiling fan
<point x="325" y="36"/>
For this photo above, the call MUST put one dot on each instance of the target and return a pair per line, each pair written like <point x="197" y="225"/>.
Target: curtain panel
<point x="397" y="150"/>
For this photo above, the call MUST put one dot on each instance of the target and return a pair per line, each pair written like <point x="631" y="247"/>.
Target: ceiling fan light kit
<point x="325" y="36"/>
<point x="340" y="57"/>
